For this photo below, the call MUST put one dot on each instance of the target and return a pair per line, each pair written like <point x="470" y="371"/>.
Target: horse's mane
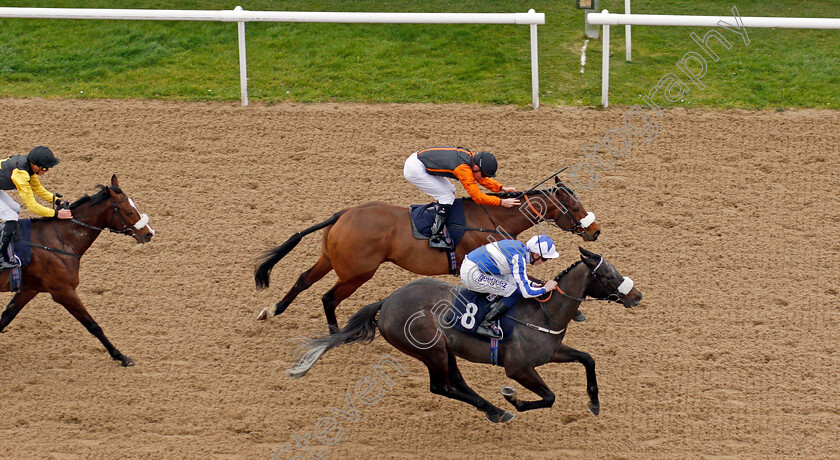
<point x="97" y="198"/>
<point x="557" y="278"/>
<point x="563" y="273"/>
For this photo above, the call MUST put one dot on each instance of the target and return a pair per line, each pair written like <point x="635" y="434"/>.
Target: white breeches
<point x="438" y="187"/>
<point x="9" y="208"/>
<point x="477" y="280"/>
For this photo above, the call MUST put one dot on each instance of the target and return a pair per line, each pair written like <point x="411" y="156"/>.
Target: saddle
<point x="423" y="216"/>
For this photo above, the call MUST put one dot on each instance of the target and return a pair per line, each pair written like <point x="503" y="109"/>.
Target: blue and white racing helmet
<point x="542" y="245"/>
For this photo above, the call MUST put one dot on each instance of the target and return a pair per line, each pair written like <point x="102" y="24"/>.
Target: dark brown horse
<point x="357" y="240"/>
<point x="415" y="319"/>
<point x="57" y="248"/>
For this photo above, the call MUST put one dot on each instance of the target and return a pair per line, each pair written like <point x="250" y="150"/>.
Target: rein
<point x="541" y="217"/>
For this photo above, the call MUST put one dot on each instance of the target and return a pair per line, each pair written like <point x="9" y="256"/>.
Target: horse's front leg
<point x="530" y="379"/>
<point x="15" y="305"/>
<point x="566" y="354"/>
<point x="68" y="298"/>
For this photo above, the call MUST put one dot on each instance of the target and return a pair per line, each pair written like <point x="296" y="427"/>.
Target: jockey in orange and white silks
<point x="430" y="168"/>
<point x="20" y="172"/>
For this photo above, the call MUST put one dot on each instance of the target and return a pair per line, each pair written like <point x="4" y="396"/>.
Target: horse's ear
<point x="587" y="254"/>
<point x="556" y="180"/>
<point x="589" y="262"/>
<point x="114" y="182"/>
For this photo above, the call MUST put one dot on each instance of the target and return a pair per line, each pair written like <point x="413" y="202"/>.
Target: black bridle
<point x="612" y="297"/>
<point x="128" y="229"/>
<point x="577" y="228"/>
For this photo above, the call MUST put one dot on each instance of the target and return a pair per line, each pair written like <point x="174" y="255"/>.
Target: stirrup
<point x="487" y="331"/>
<point x="439" y="243"/>
<point x="8" y="265"/>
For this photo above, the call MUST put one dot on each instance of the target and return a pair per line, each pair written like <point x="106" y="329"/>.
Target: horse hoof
<point x="263" y="315"/>
<point x="510" y="395"/>
<point x="126" y="361"/>
<point x="503" y="417"/>
<point x="594" y="408"/>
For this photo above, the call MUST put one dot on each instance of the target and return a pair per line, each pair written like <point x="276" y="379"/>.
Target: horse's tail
<point x="272" y="256"/>
<point x="361" y="327"/>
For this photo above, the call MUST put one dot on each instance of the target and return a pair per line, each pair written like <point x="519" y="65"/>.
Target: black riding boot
<point x="436" y="240"/>
<point x="9" y="229"/>
<point x="496" y="309"/>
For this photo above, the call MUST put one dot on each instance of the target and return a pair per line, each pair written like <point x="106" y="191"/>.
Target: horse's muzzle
<point x="632" y="298"/>
<point x="144" y="238"/>
<point x="591" y="233"/>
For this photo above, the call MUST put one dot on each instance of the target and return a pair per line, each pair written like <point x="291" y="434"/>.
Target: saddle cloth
<point x="423" y="216"/>
<point x="471" y="308"/>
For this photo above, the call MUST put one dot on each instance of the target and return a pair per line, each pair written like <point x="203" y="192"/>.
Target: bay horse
<point x="415" y="320"/>
<point x="57" y="248"/>
<point x="357" y="240"/>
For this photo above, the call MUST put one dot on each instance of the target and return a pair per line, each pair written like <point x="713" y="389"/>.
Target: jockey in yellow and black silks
<point x="20" y="172"/>
<point x="429" y="169"/>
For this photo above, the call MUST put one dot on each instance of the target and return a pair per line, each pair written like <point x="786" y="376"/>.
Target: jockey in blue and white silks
<point x="500" y="268"/>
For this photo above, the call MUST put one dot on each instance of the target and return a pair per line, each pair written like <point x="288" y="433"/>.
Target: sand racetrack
<point x="727" y="221"/>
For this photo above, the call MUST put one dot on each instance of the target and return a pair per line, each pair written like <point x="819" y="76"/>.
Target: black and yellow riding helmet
<point x="486" y="163"/>
<point x="42" y="156"/>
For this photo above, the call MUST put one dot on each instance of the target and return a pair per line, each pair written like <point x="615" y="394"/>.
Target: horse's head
<point x="572" y="216"/>
<point x="126" y="218"/>
<point x="609" y="284"/>
<point x="116" y="212"/>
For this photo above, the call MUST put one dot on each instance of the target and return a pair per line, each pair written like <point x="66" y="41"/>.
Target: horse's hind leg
<point x="70" y="300"/>
<point x="462" y="390"/>
<point x="305" y="280"/>
<point x="339" y="292"/>
<point x="15" y="305"/>
<point x="530" y="379"/>
<point x="565" y="354"/>
<point x="445" y="379"/>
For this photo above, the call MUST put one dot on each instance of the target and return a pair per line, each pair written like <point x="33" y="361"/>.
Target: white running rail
<point x="606" y="19"/>
<point x="241" y="16"/>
